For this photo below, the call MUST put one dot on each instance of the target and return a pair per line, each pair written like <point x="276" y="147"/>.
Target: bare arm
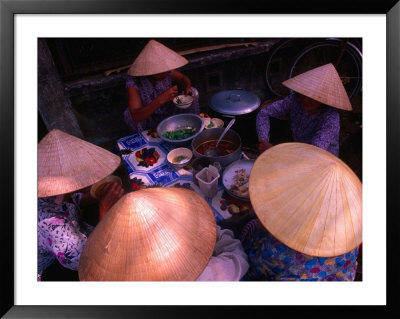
<point x="109" y="195"/>
<point x="140" y="112"/>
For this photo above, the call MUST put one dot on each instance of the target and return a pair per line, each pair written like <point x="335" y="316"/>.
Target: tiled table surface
<point x="145" y="158"/>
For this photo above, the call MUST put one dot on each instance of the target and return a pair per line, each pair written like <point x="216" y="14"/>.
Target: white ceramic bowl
<point x="183" y="101"/>
<point x="215" y="123"/>
<point x="218" y="122"/>
<point x="179" y="157"/>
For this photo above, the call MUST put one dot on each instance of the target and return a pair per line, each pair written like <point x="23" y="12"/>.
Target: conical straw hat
<point x="156" y="58"/>
<point x="67" y="163"/>
<point x="322" y="84"/>
<point x="308" y="199"/>
<point x="155" y="234"/>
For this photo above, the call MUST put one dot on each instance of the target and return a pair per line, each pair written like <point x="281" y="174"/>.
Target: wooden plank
<point x="195" y="50"/>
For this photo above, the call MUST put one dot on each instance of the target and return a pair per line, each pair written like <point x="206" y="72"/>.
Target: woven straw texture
<point x="67" y="164"/>
<point x="155" y="234"/>
<point x="322" y="84"/>
<point x="156" y="58"/>
<point x="308" y="199"/>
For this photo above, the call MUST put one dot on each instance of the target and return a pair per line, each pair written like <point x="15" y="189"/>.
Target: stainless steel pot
<point x="213" y="135"/>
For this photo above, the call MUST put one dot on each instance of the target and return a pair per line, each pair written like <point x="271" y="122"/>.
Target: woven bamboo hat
<point x="155" y="234"/>
<point x="156" y="58"/>
<point x="322" y="84"/>
<point x="308" y="199"/>
<point x="67" y="163"/>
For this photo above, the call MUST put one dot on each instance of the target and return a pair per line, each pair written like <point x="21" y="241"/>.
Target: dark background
<point x="98" y="100"/>
<point x="293" y="6"/>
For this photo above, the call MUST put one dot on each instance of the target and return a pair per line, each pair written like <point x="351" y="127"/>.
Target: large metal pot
<point x="243" y="106"/>
<point x="214" y="134"/>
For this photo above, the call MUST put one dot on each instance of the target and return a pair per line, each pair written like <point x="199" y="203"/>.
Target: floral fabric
<point x="148" y="92"/>
<point x="270" y="259"/>
<point x="320" y="129"/>
<point x="61" y="234"/>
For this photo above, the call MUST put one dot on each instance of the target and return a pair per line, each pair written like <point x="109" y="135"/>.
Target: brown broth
<point x="224" y="147"/>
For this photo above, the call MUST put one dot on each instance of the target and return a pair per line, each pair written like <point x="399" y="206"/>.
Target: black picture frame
<point x="8" y="10"/>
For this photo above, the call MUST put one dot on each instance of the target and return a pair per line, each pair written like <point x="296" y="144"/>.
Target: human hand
<point x="263" y="146"/>
<point x="108" y="196"/>
<point x="188" y="91"/>
<point x="168" y="95"/>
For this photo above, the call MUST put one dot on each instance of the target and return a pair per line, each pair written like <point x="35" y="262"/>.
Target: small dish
<point x="183" y="101"/>
<point x="218" y="122"/>
<point x="97" y="187"/>
<point x="179" y="157"/>
<point x="207" y="123"/>
<point x="213" y="123"/>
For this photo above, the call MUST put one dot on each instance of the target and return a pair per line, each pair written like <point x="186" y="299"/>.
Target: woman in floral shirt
<point x="152" y="83"/>
<point x="272" y="260"/>
<point x="311" y="110"/>
<point x="309" y="216"/>
<point x="61" y="232"/>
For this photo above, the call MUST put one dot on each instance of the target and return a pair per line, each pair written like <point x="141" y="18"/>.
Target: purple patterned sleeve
<point x="278" y="109"/>
<point x="130" y="81"/>
<point x="327" y="136"/>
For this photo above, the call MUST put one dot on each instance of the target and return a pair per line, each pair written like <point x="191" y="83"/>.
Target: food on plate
<point x="180" y="134"/>
<point x="233" y="209"/>
<point x="217" y="122"/>
<point x="147" y="157"/>
<point x="183" y="100"/>
<point x="152" y="133"/>
<point x="244" y="208"/>
<point x="126" y="151"/>
<point x="204" y="115"/>
<point x="224" y="147"/>
<point x="240" y="186"/>
<point x="211" y="124"/>
<point x="233" y="206"/>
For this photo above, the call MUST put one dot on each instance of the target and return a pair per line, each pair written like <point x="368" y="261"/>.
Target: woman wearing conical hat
<point x="308" y="205"/>
<point x="162" y="234"/>
<point x="67" y="167"/>
<point x="152" y="83"/>
<point x="311" y="109"/>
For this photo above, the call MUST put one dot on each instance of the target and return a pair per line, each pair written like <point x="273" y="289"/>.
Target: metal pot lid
<point x="234" y="102"/>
